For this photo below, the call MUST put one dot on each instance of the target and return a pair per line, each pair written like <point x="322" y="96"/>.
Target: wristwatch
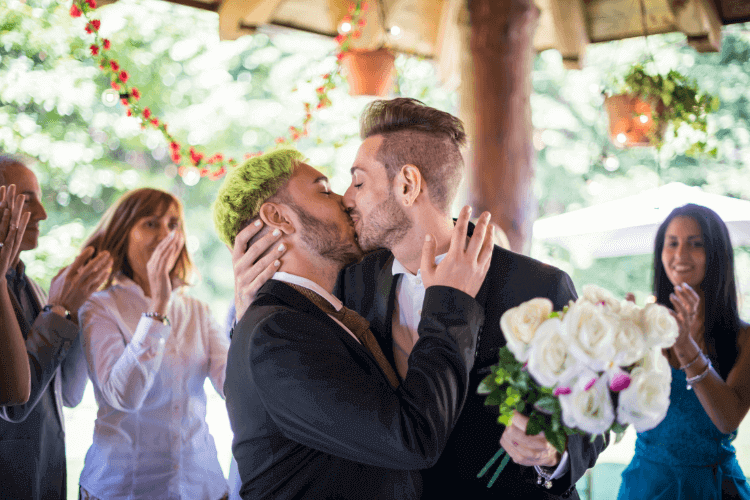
<point x="51" y="307"/>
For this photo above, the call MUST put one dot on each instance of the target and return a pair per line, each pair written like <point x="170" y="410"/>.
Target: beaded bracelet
<point x="692" y="362"/>
<point x="157" y="317"/>
<point x="694" y="380"/>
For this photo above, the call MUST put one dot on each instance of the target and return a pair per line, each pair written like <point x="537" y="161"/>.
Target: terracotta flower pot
<point x="369" y="72"/>
<point x="631" y="120"/>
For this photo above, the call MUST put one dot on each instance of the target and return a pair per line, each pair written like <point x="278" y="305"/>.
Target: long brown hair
<point x="113" y="230"/>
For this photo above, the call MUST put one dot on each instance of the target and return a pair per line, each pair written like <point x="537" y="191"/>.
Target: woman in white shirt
<point x="149" y="349"/>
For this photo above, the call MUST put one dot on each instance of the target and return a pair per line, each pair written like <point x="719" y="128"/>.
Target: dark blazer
<point x="32" y="435"/>
<point x="313" y="415"/>
<point x="369" y="287"/>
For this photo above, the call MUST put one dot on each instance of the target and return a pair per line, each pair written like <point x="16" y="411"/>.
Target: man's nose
<point x="38" y="212"/>
<point x="348" y="198"/>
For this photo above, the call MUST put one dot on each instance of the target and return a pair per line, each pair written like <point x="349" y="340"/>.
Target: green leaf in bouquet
<point x="495" y="398"/>
<point x="504" y="420"/>
<point x="619" y="436"/>
<point x="487" y="385"/>
<point x="558" y="439"/>
<point x="535" y="424"/>
<point x="521" y="406"/>
<point x="554" y="314"/>
<point x="547" y="404"/>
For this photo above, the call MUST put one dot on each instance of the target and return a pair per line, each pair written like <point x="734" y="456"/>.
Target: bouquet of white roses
<point x="596" y="366"/>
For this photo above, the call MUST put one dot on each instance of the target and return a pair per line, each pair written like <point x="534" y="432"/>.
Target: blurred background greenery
<point x="236" y="97"/>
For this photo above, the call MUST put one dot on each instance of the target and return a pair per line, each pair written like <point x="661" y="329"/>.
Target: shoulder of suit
<point x="512" y="262"/>
<point x="373" y="260"/>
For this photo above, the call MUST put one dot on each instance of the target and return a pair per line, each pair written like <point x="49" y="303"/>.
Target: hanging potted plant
<point x="647" y="104"/>
<point x="369" y="72"/>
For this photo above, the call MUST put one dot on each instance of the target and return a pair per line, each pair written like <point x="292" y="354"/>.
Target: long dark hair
<point x="722" y="319"/>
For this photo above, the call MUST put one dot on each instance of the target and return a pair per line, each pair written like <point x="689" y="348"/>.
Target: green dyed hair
<point x="248" y="186"/>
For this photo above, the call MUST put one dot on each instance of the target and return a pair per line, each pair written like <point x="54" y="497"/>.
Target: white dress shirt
<point x="407" y="313"/>
<point x="151" y="440"/>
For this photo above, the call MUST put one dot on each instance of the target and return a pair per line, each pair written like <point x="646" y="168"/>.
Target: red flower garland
<point x="130" y="95"/>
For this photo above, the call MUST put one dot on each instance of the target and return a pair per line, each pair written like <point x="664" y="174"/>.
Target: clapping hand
<point x="12" y="225"/>
<point x="250" y="271"/>
<point x="465" y="266"/>
<point x="685" y="301"/>
<point x="159" y="266"/>
<point x="75" y="283"/>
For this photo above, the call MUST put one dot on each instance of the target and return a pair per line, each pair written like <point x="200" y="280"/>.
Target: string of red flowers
<point x="215" y="166"/>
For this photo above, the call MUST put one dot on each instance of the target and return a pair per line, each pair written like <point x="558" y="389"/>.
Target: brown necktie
<point x="358" y="325"/>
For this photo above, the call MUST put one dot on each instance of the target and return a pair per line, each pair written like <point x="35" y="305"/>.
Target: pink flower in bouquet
<point x="619" y="381"/>
<point x="75" y="11"/>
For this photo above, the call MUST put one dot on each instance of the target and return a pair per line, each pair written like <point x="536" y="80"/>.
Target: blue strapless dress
<point x="685" y="457"/>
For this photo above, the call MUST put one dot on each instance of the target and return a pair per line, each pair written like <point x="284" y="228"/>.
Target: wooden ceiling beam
<point x="240" y="17"/>
<point x="571" y="32"/>
<point x="700" y="21"/>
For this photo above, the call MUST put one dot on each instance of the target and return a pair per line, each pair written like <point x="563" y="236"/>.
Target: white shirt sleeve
<point x="218" y="347"/>
<point x="123" y="372"/>
<point x="562" y="467"/>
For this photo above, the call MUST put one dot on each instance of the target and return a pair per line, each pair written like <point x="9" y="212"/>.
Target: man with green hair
<point x="316" y="408"/>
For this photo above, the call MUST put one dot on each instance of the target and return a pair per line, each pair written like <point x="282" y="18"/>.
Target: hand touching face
<point x="146" y="235"/>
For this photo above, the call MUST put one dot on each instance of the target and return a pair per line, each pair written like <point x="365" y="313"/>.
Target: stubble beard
<point x="385" y="227"/>
<point x="324" y="238"/>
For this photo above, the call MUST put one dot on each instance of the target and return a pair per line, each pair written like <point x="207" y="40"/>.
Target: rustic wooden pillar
<point x="502" y="163"/>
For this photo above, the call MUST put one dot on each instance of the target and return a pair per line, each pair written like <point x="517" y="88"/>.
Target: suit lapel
<point x="382" y="315"/>
<point x="299" y="302"/>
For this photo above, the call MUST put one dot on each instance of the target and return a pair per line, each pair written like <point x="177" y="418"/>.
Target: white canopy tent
<point x="628" y="226"/>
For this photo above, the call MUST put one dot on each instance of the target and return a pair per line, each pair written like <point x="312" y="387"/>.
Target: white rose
<point x="629" y="338"/>
<point x="550" y="362"/>
<point x="654" y="361"/>
<point x="646" y="401"/>
<point x="599" y="296"/>
<point x="659" y="325"/>
<point x="519" y="325"/>
<point x="591" y="334"/>
<point x="588" y="407"/>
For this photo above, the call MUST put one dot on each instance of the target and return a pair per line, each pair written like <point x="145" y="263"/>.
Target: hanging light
<point x="110" y="97"/>
<point x="395" y="31"/>
<point x="345" y="27"/>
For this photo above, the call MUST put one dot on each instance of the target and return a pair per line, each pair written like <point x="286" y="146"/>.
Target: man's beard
<point x="385" y="227"/>
<point x="325" y="239"/>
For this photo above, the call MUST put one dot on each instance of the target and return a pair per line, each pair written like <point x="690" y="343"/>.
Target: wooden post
<point x="502" y="166"/>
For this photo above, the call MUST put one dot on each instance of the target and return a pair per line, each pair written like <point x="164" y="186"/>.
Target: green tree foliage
<point x="577" y="165"/>
<point x="228" y="97"/>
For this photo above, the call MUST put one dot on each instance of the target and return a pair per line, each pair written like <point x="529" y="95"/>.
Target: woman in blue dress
<point x="689" y="455"/>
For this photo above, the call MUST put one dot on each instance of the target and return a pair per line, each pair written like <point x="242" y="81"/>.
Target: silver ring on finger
<point x="1" y="246"/>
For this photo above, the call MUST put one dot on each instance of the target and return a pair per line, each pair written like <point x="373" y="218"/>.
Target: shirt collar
<point x="398" y="268"/>
<point x="310" y="285"/>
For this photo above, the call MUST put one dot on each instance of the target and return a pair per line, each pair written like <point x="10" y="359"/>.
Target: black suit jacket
<point x="369" y="288"/>
<point x="313" y="415"/>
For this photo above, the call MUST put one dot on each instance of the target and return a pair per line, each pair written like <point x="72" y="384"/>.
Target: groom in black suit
<point x="404" y="179"/>
<point x="317" y="409"/>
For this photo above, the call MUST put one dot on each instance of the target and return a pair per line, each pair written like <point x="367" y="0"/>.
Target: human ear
<point x="276" y="216"/>
<point x="409" y="184"/>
